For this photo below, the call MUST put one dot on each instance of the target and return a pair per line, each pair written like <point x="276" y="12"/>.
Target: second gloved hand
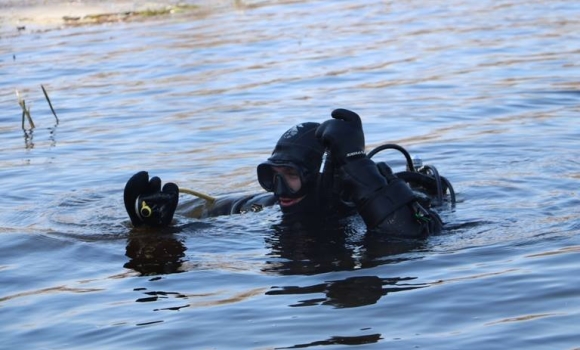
<point x="147" y="203"/>
<point x="343" y="135"/>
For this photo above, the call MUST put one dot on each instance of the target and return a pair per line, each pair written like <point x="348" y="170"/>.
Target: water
<point x="489" y="93"/>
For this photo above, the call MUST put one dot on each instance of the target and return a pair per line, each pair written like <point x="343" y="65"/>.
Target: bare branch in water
<point x="25" y="111"/>
<point x="49" y="103"/>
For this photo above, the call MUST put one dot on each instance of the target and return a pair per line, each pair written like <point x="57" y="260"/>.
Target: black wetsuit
<point x="387" y="205"/>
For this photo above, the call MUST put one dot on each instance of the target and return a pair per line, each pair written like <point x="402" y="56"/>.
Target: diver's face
<point x="293" y="181"/>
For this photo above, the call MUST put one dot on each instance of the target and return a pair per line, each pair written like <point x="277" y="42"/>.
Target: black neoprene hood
<point x="298" y="148"/>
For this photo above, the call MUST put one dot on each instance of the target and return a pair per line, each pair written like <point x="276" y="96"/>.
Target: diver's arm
<point x="227" y="205"/>
<point x="386" y="204"/>
<point x="150" y="205"/>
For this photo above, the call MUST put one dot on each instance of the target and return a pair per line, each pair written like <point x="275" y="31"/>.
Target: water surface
<point x="489" y="93"/>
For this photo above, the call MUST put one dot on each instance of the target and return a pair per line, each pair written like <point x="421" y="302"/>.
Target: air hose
<point x="198" y="194"/>
<point x="426" y="175"/>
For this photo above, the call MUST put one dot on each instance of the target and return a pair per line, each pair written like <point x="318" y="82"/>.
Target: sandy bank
<point x="33" y="15"/>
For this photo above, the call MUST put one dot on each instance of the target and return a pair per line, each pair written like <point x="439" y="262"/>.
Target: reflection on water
<point x="152" y="254"/>
<point x="294" y="249"/>
<point x="28" y="139"/>
<point x="159" y="251"/>
<point x="28" y="135"/>
<point x="306" y="250"/>
<point x="350" y="292"/>
<point x="357" y="340"/>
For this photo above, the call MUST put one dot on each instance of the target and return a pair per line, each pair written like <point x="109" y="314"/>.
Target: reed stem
<point x="49" y="103"/>
<point x="25" y="111"/>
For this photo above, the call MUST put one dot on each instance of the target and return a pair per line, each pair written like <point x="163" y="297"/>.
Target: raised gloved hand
<point x="343" y="135"/>
<point x="148" y="204"/>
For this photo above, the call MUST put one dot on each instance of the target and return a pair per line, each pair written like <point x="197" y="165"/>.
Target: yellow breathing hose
<point x="198" y="194"/>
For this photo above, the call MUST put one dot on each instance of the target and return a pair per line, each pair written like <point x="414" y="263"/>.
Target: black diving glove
<point x="385" y="203"/>
<point x="343" y="135"/>
<point x="148" y="204"/>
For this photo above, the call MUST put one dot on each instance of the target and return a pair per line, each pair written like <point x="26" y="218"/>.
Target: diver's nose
<point x="280" y="188"/>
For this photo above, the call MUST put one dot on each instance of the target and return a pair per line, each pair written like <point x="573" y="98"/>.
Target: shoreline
<point x="29" y="16"/>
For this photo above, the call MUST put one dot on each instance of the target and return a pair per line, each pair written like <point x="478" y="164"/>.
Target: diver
<point x="316" y="172"/>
